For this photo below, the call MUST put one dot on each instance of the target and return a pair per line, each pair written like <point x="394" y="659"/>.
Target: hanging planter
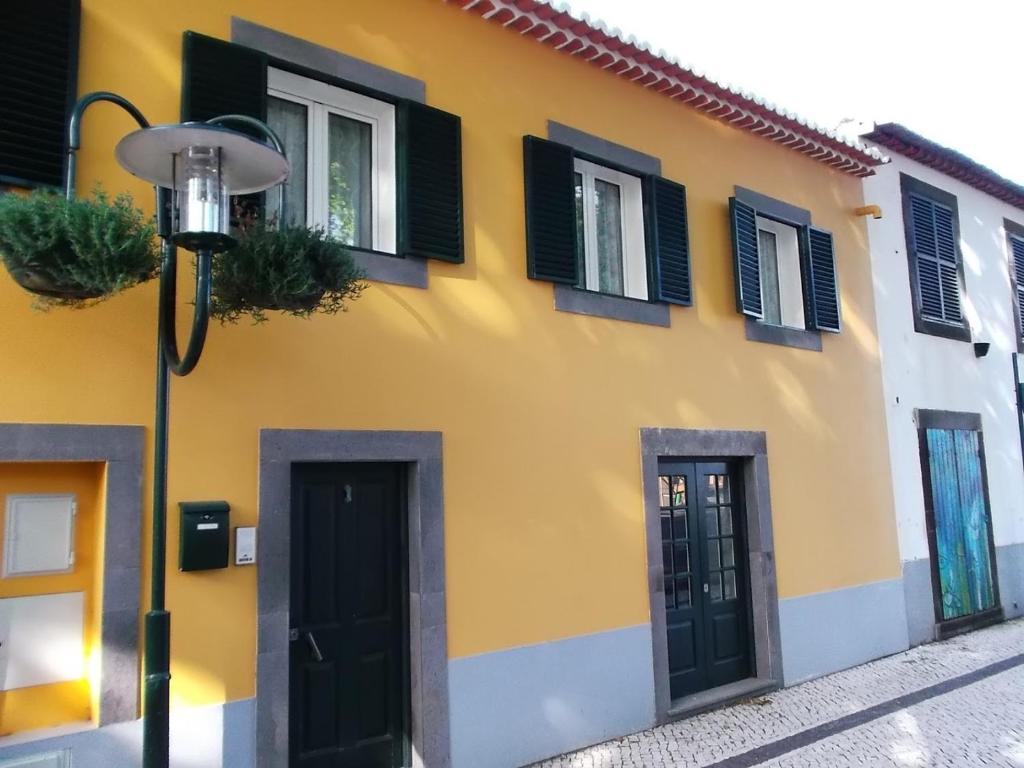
<point x="76" y="252"/>
<point x="294" y="270"/>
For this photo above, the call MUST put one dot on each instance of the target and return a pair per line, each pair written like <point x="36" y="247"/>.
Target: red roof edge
<point x="901" y="140"/>
<point x="625" y="57"/>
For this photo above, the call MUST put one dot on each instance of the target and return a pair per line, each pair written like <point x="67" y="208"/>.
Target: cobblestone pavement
<point x="978" y="724"/>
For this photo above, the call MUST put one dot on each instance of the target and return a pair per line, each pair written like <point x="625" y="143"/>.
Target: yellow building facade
<point x="528" y="428"/>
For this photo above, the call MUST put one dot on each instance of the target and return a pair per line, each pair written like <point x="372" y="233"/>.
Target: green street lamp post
<point x="195" y="168"/>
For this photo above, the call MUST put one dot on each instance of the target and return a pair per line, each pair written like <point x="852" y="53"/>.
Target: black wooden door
<point x="706" y="588"/>
<point x="348" y="667"/>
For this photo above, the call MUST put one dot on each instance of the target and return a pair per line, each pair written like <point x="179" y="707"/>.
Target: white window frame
<point x="322" y="100"/>
<point x="791" y="287"/>
<point x="634" y="246"/>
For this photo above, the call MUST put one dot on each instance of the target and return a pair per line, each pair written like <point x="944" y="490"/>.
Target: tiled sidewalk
<point x="978" y="724"/>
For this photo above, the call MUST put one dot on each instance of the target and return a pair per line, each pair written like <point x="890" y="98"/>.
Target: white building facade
<point x="950" y="334"/>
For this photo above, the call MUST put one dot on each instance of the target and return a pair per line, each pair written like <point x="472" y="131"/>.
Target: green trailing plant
<point x="76" y="252"/>
<point x="292" y="269"/>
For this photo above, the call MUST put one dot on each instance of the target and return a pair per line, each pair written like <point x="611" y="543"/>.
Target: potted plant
<point x="76" y="252"/>
<point x="291" y="269"/>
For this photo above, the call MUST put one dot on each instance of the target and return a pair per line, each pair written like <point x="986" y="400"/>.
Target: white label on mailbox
<point x="208" y="526"/>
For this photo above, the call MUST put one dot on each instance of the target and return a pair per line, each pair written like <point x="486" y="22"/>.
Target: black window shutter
<point x="670" y="243"/>
<point x="222" y="78"/>
<point x="1017" y="246"/>
<point x="821" y="287"/>
<point x="429" y="183"/>
<point x="550" y="211"/>
<point x="746" y="259"/>
<point x="38" y="87"/>
<point x="935" y="260"/>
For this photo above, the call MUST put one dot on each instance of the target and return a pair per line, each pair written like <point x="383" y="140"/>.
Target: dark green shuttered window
<point x="38" y="86"/>
<point x="221" y="78"/>
<point x="746" y="262"/>
<point x="817" y="269"/>
<point x="670" y="242"/>
<point x="821" y="293"/>
<point x="1016" y="243"/>
<point x="932" y="228"/>
<point x="430" y="182"/>
<point x="225" y="78"/>
<point x="934" y="247"/>
<point x="552" y="247"/>
<point x="551" y="237"/>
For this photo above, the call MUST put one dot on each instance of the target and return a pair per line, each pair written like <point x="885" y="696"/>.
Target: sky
<point x="951" y="70"/>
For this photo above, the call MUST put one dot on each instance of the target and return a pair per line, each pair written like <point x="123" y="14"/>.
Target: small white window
<point x="39" y="535"/>
<point x="782" y="293"/>
<point x="342" y="149"/>
<point x="610" y="227"/>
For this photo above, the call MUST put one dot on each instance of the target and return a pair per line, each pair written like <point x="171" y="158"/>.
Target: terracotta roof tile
<point x="556" y="24"/>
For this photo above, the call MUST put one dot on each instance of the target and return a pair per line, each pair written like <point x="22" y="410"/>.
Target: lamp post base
<point x="156" y="691"/>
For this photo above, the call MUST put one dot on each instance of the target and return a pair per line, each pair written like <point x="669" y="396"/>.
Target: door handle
<point x="313" y="647"/>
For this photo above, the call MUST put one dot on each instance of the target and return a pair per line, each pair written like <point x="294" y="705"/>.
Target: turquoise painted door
<point x="961" y="523"/>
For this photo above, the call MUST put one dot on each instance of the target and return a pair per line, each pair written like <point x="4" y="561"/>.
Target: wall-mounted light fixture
<point x="205" y="165"/>
<point x="981" y="348"/>
<point x="874" y="211"/>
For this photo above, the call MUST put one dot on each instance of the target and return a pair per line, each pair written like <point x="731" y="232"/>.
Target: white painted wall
<point x="923" y="371"/>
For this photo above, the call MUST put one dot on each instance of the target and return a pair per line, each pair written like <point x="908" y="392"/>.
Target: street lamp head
<point x="205" y="165"/>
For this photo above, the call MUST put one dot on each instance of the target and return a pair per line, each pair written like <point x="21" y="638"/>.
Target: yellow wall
<point x="540" y="410"/>
<point x="45" y="705"/>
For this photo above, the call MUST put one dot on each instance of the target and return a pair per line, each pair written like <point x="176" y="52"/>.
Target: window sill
<point x="798" y="338"/>
<point x="580" y="302"/>
<point x="944" y="330"/>
<point x="388" y="268"/>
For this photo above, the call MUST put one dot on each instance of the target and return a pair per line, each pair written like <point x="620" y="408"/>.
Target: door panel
<point x="704" y="561"/>
<point x="728" y="641"/>
<point x="975" y="520"/>
<point x="348" y="617"/>
<point x="960" y="525"/>
<point x="680" y="561"/>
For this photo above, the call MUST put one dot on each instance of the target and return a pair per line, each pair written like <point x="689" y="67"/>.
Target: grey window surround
<point x="756" y="330"/>
<point x="381" y="267"/>
<point x="798" y="338"/>
<point x="609" y="151"/>
<point x="571" y="299"/>
<point x="121" y="449"/>
<point x="775" y="209"/>
<point x="932" y="419"/>
<point x="750" y="449"/>
<point x="428" y="649"/>
<point x="591" y="303"/>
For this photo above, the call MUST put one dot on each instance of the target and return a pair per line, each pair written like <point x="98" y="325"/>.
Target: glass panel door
<point x="704" y="564"/>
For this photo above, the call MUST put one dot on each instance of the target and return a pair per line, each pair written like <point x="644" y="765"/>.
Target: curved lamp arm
<point x="182" y="365"/>
<point x="75" y="130"/>
<point x="251" y="122"/>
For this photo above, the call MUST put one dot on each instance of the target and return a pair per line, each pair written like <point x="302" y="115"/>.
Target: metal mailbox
<point x="205" y="535"/>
